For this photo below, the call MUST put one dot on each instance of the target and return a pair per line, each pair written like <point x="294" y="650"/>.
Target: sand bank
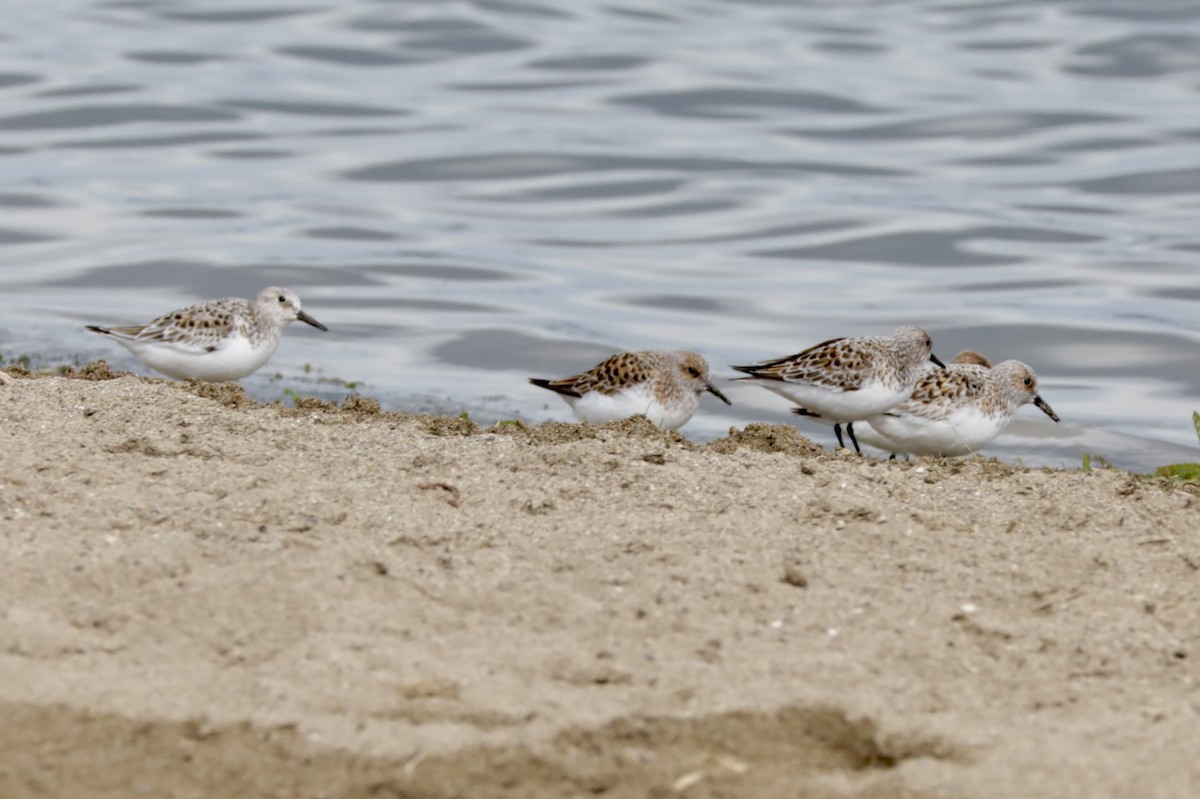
<point x="204" y="596"/>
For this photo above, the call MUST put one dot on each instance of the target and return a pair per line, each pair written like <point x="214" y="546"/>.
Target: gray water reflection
<point x="470" y="194"/>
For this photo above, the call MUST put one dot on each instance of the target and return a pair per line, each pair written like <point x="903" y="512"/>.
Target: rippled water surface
<point x="470" y="193"/>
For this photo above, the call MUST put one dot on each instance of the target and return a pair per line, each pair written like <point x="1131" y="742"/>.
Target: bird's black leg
<point x="837" y="428"/>
<point x="853" y="440"/>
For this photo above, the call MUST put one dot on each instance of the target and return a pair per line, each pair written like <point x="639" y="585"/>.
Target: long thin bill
<point x="1045" y="406"/>
<point x="303" y="317"/>
<point x="936" y="360"/>
<point x="713" y="389"/>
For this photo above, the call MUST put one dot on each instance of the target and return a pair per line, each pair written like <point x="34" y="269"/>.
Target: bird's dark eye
<point x="1028" y="381"/>
<point x="693" y="371"/>
<point x="282" y="298"/>
<point x="928" y="342"/>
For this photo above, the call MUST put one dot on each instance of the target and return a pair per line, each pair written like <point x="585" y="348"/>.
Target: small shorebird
<point x="664" y="386"/>
<point x="845" y="380"/>
<point x="867" y="434"/>
<point x="958" y="410"/>
<point x="213" y="341"/>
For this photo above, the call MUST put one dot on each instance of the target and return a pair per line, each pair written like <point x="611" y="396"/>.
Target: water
<point x="471" y="193"/>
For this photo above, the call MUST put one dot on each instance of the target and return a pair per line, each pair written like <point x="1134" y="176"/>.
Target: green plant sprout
<point x="1182" y="473"/>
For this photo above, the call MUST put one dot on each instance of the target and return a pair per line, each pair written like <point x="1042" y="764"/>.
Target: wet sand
<point x="205" y="596"/>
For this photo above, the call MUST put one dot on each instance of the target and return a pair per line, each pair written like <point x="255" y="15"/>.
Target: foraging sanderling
<point x="867" y="434"/>
<point x="957" y="410"/>
<point x="213" y="341"/>
<point x="844" y="380"/>
<point x="663" y="386"/>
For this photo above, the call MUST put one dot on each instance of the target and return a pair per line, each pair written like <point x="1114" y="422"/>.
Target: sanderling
<point x="844" y="380"/>
<point x="867" y="434"/>
<point x="663" y="386"/>
<point x="213" y="341"/>
<point x="958" y="410"/>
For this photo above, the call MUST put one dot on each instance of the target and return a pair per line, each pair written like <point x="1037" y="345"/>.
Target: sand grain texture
<point x="207" y="597"/>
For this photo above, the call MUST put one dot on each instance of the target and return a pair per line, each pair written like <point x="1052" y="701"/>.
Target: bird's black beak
<point x="303" y="317"/>
<point x="936" y="360"/>
<point x="1045" y="406"/>
<point x="713" y="389"/>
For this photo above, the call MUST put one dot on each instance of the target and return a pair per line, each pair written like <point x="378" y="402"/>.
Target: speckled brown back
<point x="609" y="376"/>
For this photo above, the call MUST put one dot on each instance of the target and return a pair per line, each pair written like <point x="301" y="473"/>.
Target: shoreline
<point x="352" y="601"/>
<point x="1027" y="440"/>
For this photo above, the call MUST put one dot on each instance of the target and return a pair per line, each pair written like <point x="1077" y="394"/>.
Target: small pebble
<point x="793" y="574"/>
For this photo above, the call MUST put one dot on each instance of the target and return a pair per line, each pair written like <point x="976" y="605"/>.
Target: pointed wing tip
<point x="550" y="385"/>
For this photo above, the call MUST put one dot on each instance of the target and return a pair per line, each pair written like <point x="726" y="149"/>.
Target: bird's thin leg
<point x="853" y="440"/>
<point x="837" y="428"/>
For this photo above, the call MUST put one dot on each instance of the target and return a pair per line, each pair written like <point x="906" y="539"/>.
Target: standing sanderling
<point x="663" y="386"/>
<point x="958" y="410"/>
<point x="844" y="380"/>
<point x="213" y="341"/>
<point x="867" y="434"/>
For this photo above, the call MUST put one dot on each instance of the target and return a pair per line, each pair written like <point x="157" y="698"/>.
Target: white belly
<point x="963" y="432"/>
<point x="836" y="406"/>
<point x="599" y="408"/>
<point x="233" y="360"/>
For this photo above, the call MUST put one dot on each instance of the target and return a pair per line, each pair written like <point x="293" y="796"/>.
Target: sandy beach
<point x="205" y="596"/>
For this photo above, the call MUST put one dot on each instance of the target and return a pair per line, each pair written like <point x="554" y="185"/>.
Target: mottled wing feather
<point x="938" y="388"/>
<point x="608" y="377"/>
<point x="564" y="386"/>
<point x="204" y="326"/>
<point x="829" y="364"/>
<point x="768" y="368"/>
